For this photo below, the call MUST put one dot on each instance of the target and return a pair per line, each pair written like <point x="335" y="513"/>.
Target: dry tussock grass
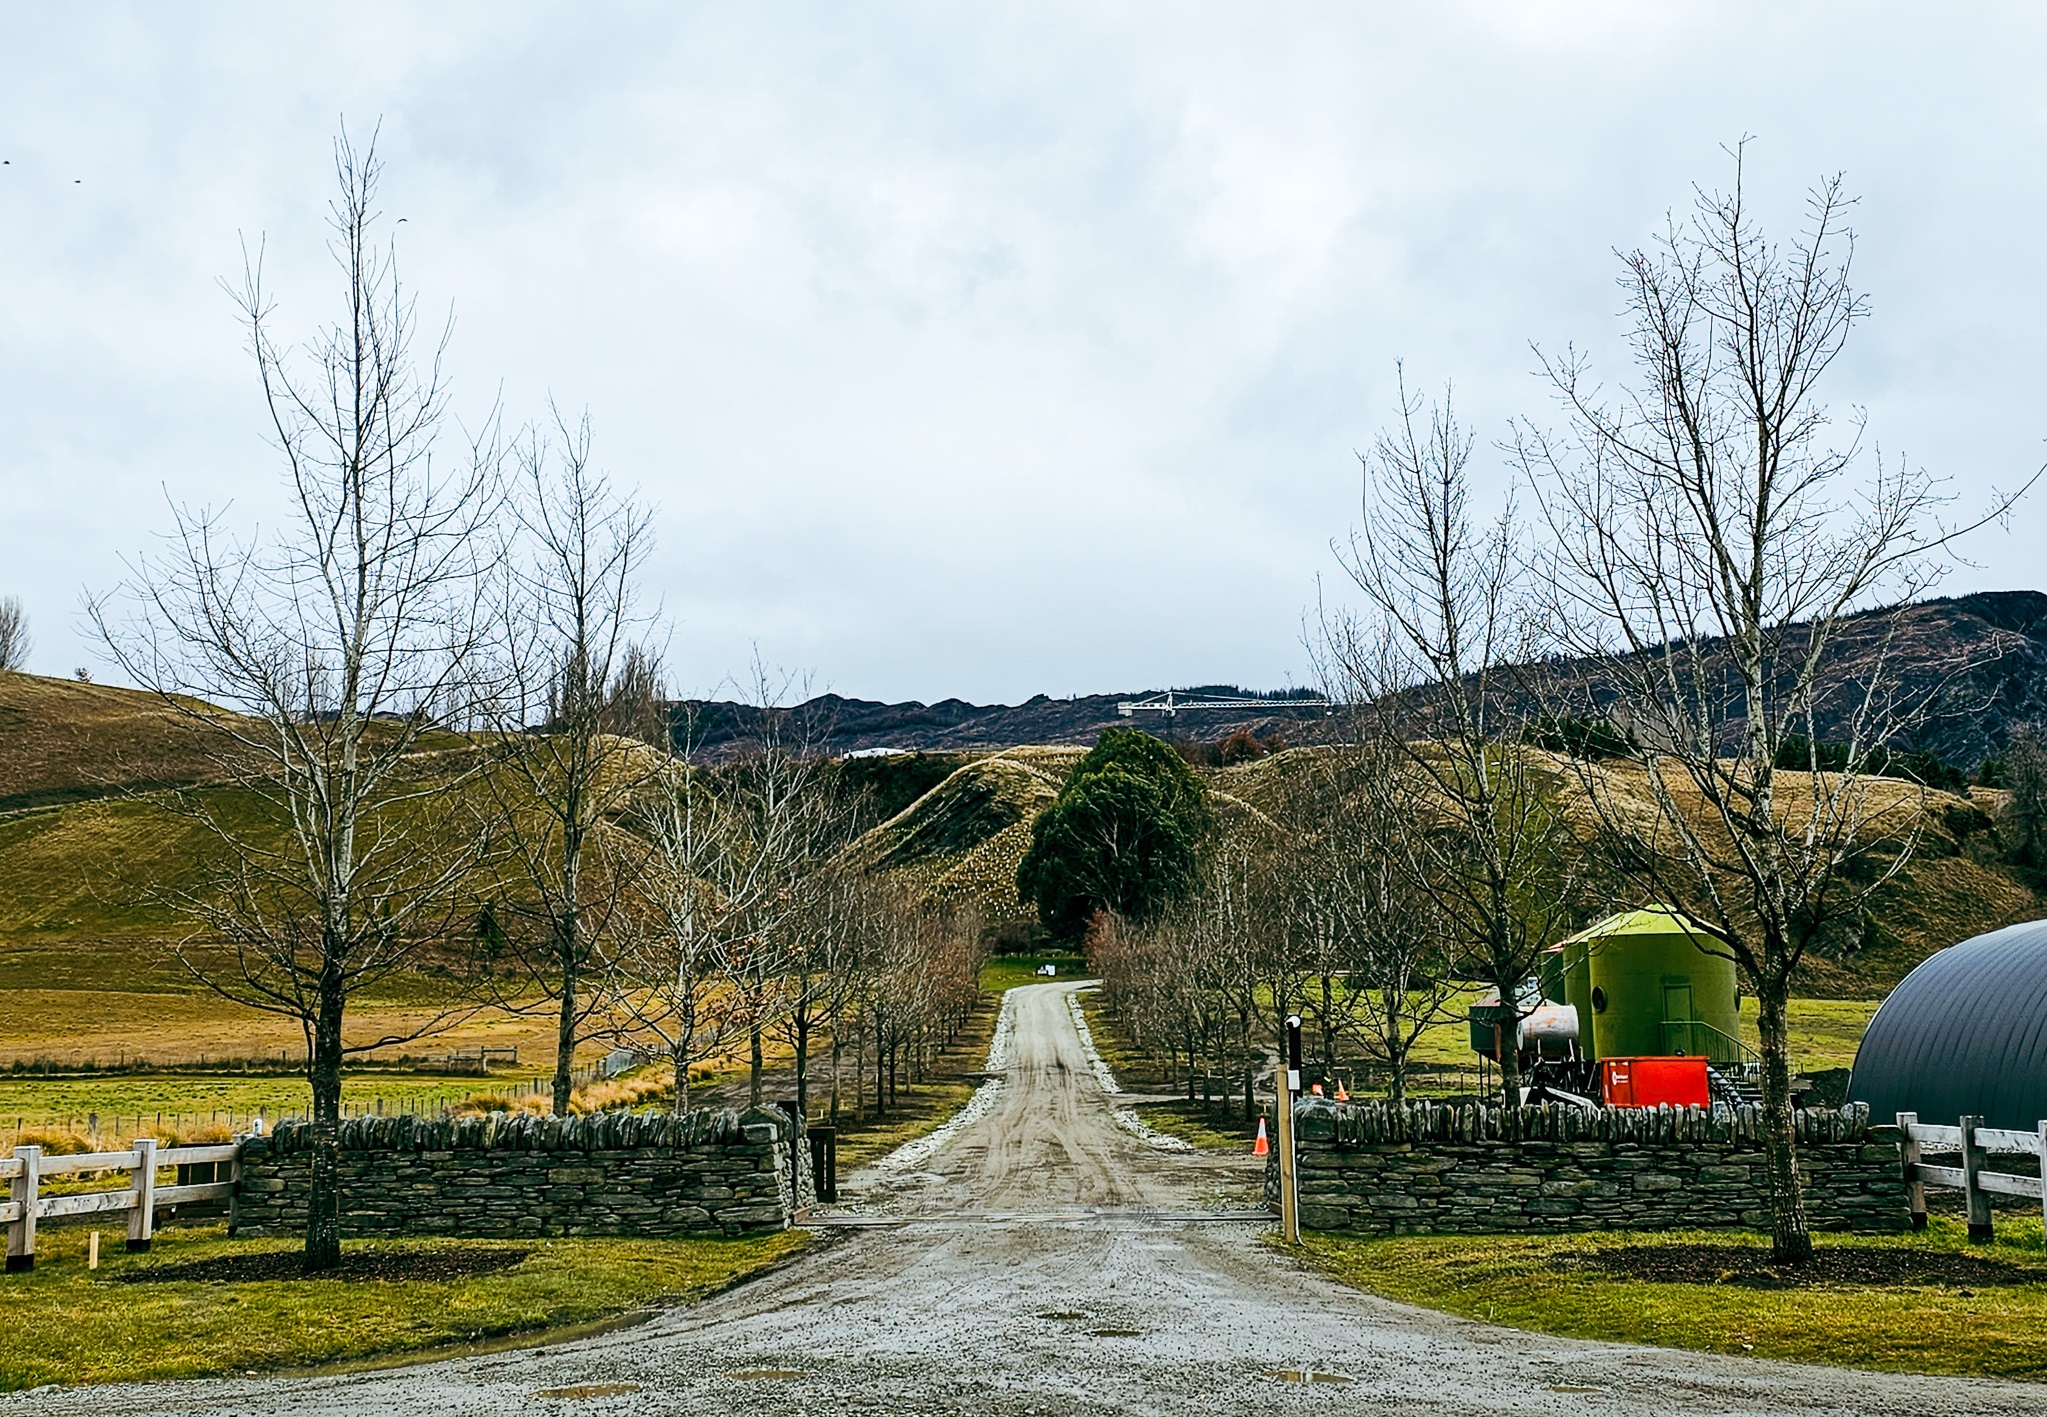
<point x="54" y="1143"/>
<point x="65" y="740"/>
<point x="615" y="1095"/>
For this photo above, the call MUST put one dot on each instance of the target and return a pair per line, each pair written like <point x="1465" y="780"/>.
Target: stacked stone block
<point x="1377" y="1169"/>
<point x="704" y="1173"/>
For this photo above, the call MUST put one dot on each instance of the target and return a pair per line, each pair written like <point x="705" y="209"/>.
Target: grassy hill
<point x="965" y="837"/>
<point x="962" y="840"/>
<point x="83" y="837"/>
<point x="66" y="741"/>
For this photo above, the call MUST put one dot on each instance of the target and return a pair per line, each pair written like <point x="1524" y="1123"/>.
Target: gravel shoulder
<point x="1041" y="1259"/>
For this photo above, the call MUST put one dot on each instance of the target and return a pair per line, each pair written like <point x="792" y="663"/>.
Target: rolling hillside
<point x="1980" y="660"/>
<point x="964" y="838"/>
<point x="66" y="741"/>
<point x="840" y="725"/>
<point x="76" y="840"/>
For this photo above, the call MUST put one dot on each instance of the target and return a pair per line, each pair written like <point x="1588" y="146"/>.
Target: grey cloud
<point x="973" y="350"/>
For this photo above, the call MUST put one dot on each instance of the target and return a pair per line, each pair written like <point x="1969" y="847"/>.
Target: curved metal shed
<point x="1965" y="1033"/>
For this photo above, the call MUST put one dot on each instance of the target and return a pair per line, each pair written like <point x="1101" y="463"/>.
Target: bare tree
<point x="741" y="851"/>
<point x="1439" y="654"/>
<point x="1311" y="916"/>
<point x="666" y="971"/>
<point x="841" y="955"/>
<point x="14" y="638"/>
<point x="825" y="960"/>
<point x="920" y="966"/>
<point x="578" y="705"/>
<point x="342" y="644"/>
<point x="1712" y="543"/>
<point x="1361" y="809"/>
<point x="786" y="828"/>
<point x="2025" y="773"/>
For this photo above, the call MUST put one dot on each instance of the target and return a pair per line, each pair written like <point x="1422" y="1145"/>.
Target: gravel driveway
<point x="1045" y="1259"/>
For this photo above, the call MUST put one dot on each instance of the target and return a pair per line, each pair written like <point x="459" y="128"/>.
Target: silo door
<point x="1677" y="1009"/>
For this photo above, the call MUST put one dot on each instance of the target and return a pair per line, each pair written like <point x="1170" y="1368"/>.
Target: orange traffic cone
<point x="1341" y="1095"/>
<point x="1316" y="1089"/>
<point x="1261" y="1147"/>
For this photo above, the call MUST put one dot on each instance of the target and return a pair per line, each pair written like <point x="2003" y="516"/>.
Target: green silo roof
<point x="1649" y="920"/>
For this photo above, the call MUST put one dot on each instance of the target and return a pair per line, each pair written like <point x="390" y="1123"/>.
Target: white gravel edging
<point x="1126" y="1117"/>
<point x="912" y="1154"/>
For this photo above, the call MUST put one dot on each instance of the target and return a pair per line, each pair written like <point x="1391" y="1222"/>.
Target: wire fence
<point x="456" y="1062"/>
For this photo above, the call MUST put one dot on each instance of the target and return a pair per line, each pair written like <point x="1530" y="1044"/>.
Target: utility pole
<point x="1289" y="1176"/>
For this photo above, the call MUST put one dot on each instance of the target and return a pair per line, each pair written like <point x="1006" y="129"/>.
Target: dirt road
<point x="1043" y="1259"/>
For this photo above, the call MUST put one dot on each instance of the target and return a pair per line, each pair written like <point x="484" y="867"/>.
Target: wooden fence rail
<point x="1974" y="1142"/>
<point x="27" y="1169"/>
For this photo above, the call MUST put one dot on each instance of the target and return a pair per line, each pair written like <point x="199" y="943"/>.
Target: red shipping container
<point x="1653" y="1082"/>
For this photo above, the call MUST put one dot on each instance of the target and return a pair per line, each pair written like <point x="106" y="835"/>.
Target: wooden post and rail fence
<point x="28" y="1168"/>
<point x="1973" y="1142"/>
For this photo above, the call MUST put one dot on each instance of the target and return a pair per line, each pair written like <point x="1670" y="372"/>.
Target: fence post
<point x="234" y="1174"/>
<point x="1972" y="1165"/>
<point x="142" y="1219"/>
<point x="2043" y="1172"/>
<point x="21" y="1235"/>
<point x="1908" y="1152"/>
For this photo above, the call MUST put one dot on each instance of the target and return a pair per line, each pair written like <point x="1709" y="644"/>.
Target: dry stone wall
<point x="704" y="1173"/>
<point x="1374" y="1168"/>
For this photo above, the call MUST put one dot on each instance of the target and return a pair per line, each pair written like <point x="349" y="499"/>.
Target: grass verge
<point x="63" y="1323"/>
<point x="1201" y="1127"/>
<point x="1193" y="1123"/>
<point x="1924" y="1303"/>
<point x="950" y="1078"/>
<point x="915" y="1114"/>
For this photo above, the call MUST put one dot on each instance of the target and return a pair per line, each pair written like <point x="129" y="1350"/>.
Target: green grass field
<point x="1007" y="971"/>
<point x="1824" y="1033"/>
<point x="131" y="1104"/>
<point x="1930" y="1302"/>
<point x="63" y="1323"/>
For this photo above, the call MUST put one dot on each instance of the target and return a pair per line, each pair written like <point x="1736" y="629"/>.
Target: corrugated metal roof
<point x="1965" y="1033"/>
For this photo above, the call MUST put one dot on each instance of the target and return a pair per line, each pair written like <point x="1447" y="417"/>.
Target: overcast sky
<point x="976" y="350"/>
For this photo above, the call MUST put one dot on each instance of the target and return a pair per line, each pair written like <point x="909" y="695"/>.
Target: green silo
<point x="1651" y="983"/>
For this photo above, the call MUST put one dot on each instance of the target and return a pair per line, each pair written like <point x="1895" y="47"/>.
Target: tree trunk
<point x="802" y="1021"/>
<point x="837" y="1051"/>
<point x="1328" y="1035"/>
<point x="323" y="1072"/>
<point x="681" y="1083"/>
<point x="565" y="1031"/>
<point x="880" y="1079"/>
<point x="1790" y="1237"/>
<point x="1508" y="1037"/>
<point x="1396" y="1049"/>
<point x="756" y="1059"/>
<point x="1508" y="1034"/>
